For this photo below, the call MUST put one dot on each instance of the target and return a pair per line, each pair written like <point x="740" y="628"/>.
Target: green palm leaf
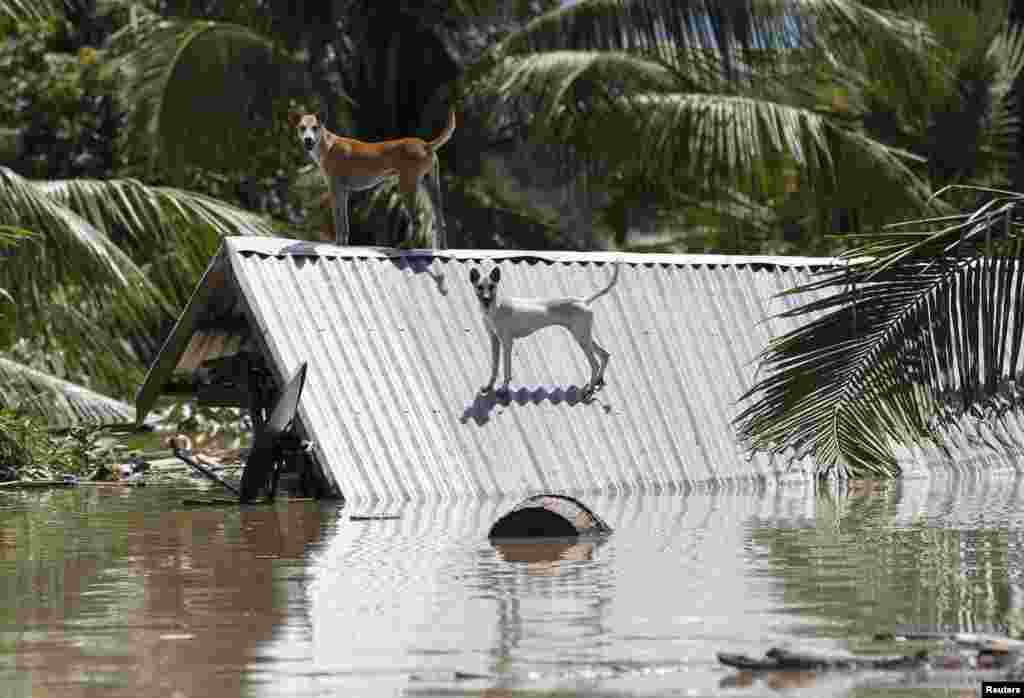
<point x="196" y="89"/>
<point x="60" y="403"/>
<point x="1005" y="55"/>
<point x="730" y="97"/>
<point x="171" y="232"/>
<point x="25" y="10"/>
<point x="66" y="249"/>
<point x="918" y="330"/>
<point x="637" y="118"/>
<point x="651" y="26"/>
<point x="107" y="260"/>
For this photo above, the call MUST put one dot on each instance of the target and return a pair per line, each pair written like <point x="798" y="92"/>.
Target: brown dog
<point x="350" y="165"/>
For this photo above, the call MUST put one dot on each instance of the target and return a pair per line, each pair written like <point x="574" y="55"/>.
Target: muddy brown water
<point x="125" y="592"/>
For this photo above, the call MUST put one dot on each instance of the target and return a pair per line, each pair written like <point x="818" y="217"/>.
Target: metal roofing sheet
<point x="282" y="247"/>
<point x="394" y="368"/>
<point x="391" y="398"/>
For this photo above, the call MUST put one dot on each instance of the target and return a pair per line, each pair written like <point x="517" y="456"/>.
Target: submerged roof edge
<point x="288" y="247"/>
<point x="178" y="339"/>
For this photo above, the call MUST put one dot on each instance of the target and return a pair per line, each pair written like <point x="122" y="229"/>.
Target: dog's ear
<point x="293" y="118"/>
<point x="495" y="275"/>
<point x="474" y="275"/>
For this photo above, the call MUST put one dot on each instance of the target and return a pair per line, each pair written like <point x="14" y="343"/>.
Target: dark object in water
<point x="780" y="658"/>
<point x="186" y="456"/>
<point x="976" y="659"/>
<point x="445" y="676"/>
<point x="138" y="466"/>
<point x="261" y="468"/>
<point x="549" y="516"/>
<point x="374" y="517"/>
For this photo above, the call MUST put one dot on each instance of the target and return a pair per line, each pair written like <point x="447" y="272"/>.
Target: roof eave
<point x="304" y="248"/>
<point x="214" y="278"/>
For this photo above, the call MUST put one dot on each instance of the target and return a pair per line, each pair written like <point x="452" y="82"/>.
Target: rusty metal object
<point x="549" y="516"/>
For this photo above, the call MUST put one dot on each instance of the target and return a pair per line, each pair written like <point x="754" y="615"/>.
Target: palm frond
<point x="636" y="116"/>
<point x="740" y="135"/>
<point x="999" y="139"/>
<point x="920" y="328"/>
<point x="195" y="89"/>
<point x="85" y="337"/>
<point x="60" y="403"/>
<point x="551" y="74"/>
<point x="67" y="248"/>
<point x="649" y="27"/>
<point x="26" y="10"/>
<point x="171" y="232"/>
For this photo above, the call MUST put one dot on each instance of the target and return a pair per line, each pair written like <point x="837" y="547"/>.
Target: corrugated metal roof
<point x="391" y="395"/>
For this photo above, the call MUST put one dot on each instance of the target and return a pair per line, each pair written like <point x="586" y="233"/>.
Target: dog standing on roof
<point x="508" y="319"/>
<point x="350" y="165"/>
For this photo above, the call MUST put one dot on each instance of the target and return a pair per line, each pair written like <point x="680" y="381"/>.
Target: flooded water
<point x="125" y="592"/>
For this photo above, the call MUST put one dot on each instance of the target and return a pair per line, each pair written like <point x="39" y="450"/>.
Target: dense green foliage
<point x="916" y="339"/>
<point x="134" y="135"/>
<point x="60" y="103"/>
<point x="777" y="128"/>
<point x="29" y="450"/>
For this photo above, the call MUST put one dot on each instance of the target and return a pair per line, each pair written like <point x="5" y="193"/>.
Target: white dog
<point x="508" y="319"/>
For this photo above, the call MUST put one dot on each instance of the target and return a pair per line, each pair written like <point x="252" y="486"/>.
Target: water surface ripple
<point x="124" y="592"/>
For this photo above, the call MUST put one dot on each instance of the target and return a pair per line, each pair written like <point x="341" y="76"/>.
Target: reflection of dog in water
<point x="508" y="319"/>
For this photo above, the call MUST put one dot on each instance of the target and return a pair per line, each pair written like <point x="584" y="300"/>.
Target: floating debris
<point x="782" y="658"/>
<point x="976" y="658"/>
<point x="36" y="484"/>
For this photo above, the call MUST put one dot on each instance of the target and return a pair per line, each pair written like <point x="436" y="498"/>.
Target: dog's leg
<point x="407" y="188"/>
<point x="340" y="215"/>
<point x="507" y="346"/>
<point x="582" y="332"/>
<point x="328" y="232"/>
<point x="595" y="368"/>
<point x="495" y="357"/>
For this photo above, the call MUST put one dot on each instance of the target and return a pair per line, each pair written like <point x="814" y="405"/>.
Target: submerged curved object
<point x="549" y="516"/>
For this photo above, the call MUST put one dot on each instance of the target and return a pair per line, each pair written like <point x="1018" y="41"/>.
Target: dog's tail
<point x="445" y="135"/>
<point x="606" y="289"/>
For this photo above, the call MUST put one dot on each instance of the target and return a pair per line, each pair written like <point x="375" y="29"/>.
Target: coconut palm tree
<point x="915" y="336"/>
<point x="212" y="92"/>
<point x="81" y="296"/>
<point x="796" y="109"/>
<point x="33" y="393"/>
<point x="889" y="355"/>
